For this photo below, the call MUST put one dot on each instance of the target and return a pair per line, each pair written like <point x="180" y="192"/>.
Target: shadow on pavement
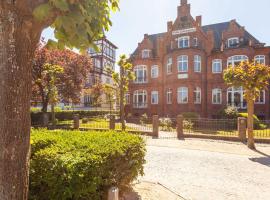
<point x="262" y="160"/>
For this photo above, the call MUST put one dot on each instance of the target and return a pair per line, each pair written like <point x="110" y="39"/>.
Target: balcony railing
<point x="140" y="105"/>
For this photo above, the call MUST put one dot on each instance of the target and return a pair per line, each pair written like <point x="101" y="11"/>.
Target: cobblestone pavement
<point x="209" y="170"/>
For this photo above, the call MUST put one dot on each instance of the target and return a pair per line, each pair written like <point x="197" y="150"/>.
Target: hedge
<point x="74" y="165"/>
<point x="36" y="117"/>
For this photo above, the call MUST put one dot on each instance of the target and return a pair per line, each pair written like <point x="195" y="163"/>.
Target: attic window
<point x="146" y="53"/>
<point x="233" y="42"/>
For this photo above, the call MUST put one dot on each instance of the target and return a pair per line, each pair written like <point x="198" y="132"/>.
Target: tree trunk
<point x="122" y="114"/>
<point x="250" y="121"/>
<point x="17" y="45"/>
<point x="53" y="116"/>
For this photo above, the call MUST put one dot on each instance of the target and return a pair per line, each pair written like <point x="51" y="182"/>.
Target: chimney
<point x="183" y="2"/>
<point x="183" y="9"/>
<point x="169" y="26"/>
<point x="199" y="20"/>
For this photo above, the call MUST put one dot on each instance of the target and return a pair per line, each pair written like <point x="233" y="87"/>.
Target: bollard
<point x="76" y="121"/>
<point x="113" y="193"/>
<point x="112" y="122"/>
<point x="155" y="122"/>
<point x="242" y="128"/>
<point x="45" y="119"/>
<point x="180" y="132"/>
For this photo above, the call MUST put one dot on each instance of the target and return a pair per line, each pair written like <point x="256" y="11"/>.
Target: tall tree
<point x="69" y="83"/>
<point x="121" y="82"/>
<point x="76" y="23"/>
<point x="253" y="77"/>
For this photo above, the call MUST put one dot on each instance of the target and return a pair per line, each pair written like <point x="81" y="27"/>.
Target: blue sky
<point x="137" y="17"/>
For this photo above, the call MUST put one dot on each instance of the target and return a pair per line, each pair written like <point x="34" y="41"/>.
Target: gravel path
<point x="208" y="175"/>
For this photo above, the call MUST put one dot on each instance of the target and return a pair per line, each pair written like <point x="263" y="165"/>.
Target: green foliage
<point x="57" y="109"/>
<point x="190" y="115"/>
<point x="188" y="125"/>
<point x="144" y="119"/>
<point x="256" y="121"/>
<point x="229" y="112"/>
<point x="165" y="124"/>
<point x="36" y="118"/>
<point x="74" y="165"/>
<point x="76" y="23"/>
<point x="35" y="110"/>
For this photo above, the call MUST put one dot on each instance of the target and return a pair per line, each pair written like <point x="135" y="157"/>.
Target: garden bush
<point x="36" y="117"/>
<point x="165" y="124"/>
<point x="144" y="119"/>
<point x="257" y="123"/>
<point x="188" y="125"/>
<point x="71" y="165"/>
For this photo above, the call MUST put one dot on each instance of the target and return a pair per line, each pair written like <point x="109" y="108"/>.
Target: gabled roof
<point x="216" y="28"/>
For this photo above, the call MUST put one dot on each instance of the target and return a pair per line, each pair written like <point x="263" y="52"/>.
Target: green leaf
<point x="42" y="12"/>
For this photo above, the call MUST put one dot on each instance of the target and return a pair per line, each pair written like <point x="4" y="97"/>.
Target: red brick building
<point x="180" y="70"/>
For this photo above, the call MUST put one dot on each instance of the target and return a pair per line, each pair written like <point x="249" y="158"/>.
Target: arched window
<point x="197" y="95"/>
<point x="169" y="96"/>
<point x="140" y="99"/>
<point x="217" y="96"/>
<point x="197" y="63"/>
<point x="140" y="74"/>
<point x="235" y="97"/>
<point x="182" y="63"/>
<point x="182" y="95"/>
<point x="235" y="60"/>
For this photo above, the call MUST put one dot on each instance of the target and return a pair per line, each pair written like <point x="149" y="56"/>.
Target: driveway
<point x="209" y="170"/>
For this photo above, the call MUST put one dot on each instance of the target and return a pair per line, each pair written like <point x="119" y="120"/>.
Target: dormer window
<point x="146" y="53"/>
<point x="183" y="42"/>
<point x="233" y="42"/>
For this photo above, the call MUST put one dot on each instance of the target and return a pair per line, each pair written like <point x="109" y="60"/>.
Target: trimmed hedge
<point x="36" y="117"/>
<point x="83" y="165"/>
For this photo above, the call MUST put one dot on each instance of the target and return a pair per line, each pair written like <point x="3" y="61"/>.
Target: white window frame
<point x="154" y="94"/>
<point x="182" y="42"/>
<point x="197" y="95"/>
<point x="153" y="73"/>
<point x="146" y="53"/>
<point x="214" y="65"/>
<point x="197" y="63"/>
<point x="181" y="62"/>
<point x="195" y="40"/>
<point x="215" y="92"/>
<point x="169" y="65"/>
<point x="235" y="59"/>
<point x="259" y="98"/>
<point x="260" y="59"/>
<point x="233" y="44"/>
<point x="136" y="103"/>
<point x="136" y="70"/>
<point x="231" y="91"/>
<point x="182" y="95"/>
<point x="169" y="96"/>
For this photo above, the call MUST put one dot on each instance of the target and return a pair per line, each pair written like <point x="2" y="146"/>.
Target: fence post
<point x="242" y="127"/>
<point x="113" y="193"/>
<point x="180" y="131"/>
<point x="76" y="121"/>
<point x="112" y="122"/>
<point x="45" y="119"/>
<point x="155" y="122"/>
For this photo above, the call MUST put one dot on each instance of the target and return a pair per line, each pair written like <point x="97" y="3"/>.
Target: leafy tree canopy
<point x="76" y="23"/>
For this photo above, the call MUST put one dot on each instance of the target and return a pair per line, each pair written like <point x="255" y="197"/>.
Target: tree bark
<point x="18" y="40"/>
<point x="122" y="112"/>
<point x="250" y="122"/>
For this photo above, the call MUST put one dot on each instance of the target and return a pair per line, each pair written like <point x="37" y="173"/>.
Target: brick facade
<point x="187" y="37"/>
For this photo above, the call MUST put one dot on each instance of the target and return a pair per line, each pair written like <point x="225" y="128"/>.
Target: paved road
<point x="208" y="175"/>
